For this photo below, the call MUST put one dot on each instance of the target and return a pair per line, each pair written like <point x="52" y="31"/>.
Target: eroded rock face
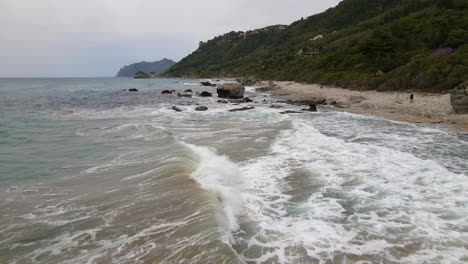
<point x="231" y="91"/>
<point x="459" y="98"/>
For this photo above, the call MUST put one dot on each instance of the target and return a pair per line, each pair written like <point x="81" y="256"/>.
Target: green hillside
<point x="364" y="44"/>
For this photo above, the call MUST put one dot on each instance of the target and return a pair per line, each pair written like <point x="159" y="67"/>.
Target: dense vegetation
<point x="359" y="44"/>
<point x="145" y="67"/>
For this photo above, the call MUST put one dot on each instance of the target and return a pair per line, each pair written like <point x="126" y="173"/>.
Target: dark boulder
<point x="205" y="94"/>
<point x="188" y="91"/>
<point x="312" y="108"/>
<point x="166" y="92"/>
<point x="231" y="91"/>
<point x="175" y="108"/>
<point x="133" y="90"/>
<point x="459" y="98"/>
<point x="222" y="101"/>
<point x="201" y="108"/>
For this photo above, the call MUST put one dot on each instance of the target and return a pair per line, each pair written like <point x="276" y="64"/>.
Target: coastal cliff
<point x="384" y="45"/>
<point x="157" y="67"/>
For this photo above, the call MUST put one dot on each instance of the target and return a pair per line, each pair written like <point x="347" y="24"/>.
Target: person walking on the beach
<point x="411" y="97"/>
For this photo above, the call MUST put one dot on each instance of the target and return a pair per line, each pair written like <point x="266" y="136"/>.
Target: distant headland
<point x="152" y="68"/>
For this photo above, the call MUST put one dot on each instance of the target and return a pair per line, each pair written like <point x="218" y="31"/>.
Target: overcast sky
<point x="67" y="38"/>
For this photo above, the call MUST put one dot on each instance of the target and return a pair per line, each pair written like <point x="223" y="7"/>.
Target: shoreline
<point x="426" y="108"/>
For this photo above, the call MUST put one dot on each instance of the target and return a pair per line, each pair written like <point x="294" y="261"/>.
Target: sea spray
<point x="222" y="178"/>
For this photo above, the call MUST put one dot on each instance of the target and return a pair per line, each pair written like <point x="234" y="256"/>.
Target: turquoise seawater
<point x="93" y="173"/>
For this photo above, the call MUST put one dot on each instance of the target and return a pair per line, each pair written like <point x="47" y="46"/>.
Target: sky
<point x="94" y="38"/>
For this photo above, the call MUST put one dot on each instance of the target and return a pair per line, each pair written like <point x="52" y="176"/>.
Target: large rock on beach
<point x="459" y="98"/>
<point x="231" y="91"/>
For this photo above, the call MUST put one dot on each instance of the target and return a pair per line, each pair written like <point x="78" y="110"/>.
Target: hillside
<point x="157" y="67"/>
<point x="359" y="44"/>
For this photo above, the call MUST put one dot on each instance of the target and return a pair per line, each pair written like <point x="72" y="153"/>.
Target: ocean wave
<point x="222" y="179"/>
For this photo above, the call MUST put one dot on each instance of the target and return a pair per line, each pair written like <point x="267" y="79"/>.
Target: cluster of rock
<point x="459" y="98"/>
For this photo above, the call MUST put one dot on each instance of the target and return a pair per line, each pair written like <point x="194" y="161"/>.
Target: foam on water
<point x="222" y="179"/>
<point x="354" y="201"/>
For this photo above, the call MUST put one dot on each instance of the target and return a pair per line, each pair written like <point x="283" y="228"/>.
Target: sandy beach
<point x="425" y="108"/>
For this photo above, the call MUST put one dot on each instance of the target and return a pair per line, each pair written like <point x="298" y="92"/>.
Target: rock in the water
<point x="188" y="95"/>
<point x="459" y="98"/>
<point x="133" y="90"/>
<point x="188" y="91"/>
<point x="231" y="91"/>
<point x="207" y="84"/>
<point x="175" y="108"/>
<point x="291" y="112"/>
<point x="201" y="108"/>
<point x="247" y="100"/>
<point x="312" y="108"/>
<point x="222" y="101"/>
<point x="242" y="109"/>
<point x="205" y="94"/>
<point x="166" y="92"/>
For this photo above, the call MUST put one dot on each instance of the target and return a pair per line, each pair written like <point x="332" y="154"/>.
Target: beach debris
<point x="133" y="90"/>
<point x="231" y="91"/>
<point x="201" y="108"/>
<point x="205" y="94"/>
<point x="175" y="108"/>
<point x="459" y="98"/>
<point x="242" y="109"/>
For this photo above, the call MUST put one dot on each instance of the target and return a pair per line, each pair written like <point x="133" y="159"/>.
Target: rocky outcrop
<point x="231" y="91"/>
<point x="153" y="68"/>
<point x="459" y="98"/>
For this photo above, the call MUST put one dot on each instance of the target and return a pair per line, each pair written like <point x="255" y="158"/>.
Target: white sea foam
<point x="222" y="179"/>
<point x="371" y="200"/>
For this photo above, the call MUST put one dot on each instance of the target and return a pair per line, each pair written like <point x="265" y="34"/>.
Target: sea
<point x="93" y="173"/>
